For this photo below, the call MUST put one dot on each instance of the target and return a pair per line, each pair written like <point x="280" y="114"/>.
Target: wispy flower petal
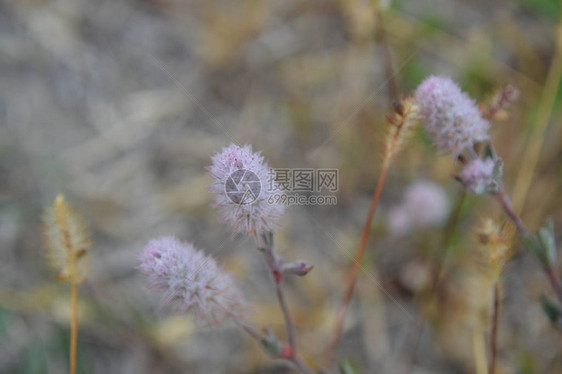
<point x="189" y="280"/>
<point x="242" y="187"/>
<point x="450" y="116"/>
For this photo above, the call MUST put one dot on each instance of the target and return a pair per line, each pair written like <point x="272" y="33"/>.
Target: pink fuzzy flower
<point x="189" y="280"/>
<point x="451" y="117"/>
<point x="481" y="176"/>
<point x="398" y="221"/>
<point x="241" y="189"/>
<point x="424" y="204"/>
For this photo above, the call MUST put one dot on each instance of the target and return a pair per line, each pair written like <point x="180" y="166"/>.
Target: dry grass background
<point x="120" y="104"/>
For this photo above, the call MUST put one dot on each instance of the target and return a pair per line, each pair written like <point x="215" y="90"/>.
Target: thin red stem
<point x="286" y="315"/>
<point x="251" y="331"/>
<point x="354" y="270"/>
<point x="277" y="274"/>
<point x="508" y="209"/>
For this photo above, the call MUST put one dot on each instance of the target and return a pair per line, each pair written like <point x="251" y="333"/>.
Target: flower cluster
<point x="190" y="280"/>
<point x="451" y="117"/>
<point x="482" y="176"/>
<point x="424" y="204"/>
<point x="241" y="190"/>
<point x="455" y="124"/>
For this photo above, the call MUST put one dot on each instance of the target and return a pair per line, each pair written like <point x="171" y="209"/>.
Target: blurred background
<point x="120" y="104"/>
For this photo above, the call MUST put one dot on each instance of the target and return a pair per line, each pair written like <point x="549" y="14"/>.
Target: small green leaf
<point x="532" y="244"/>
<point x="551" y="310"/>
<point x="271" y="347"/>
<point x="489" y="152"/>
<point x="346" y="367"/>
<point x="546" y="238"/>
<point x="498" y="170"/>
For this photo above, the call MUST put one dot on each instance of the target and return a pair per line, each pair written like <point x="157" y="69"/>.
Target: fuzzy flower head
<point x="451" y="117"/>
<point x="67" y="240"/>
<point x="424" y="204"/>
<point x="403" y="120"/>
<point x="482" y="176"/>
<point x="189" y="280"/>
<point x="242" y="188"/>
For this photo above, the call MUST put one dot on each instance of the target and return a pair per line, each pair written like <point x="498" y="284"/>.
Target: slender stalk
<point x="277" y="274"/>
<point x="510" y="212"/>
<point x="494" y="334"/>
<point x="508" y="209"/>
<point x="276" y="271"/>
<point x="73" y="326"/>
<point x="251" y="331"/>
<point x="402" y="120"/>
<point x="388" y="63"/>
<point x="248" y="329"/>
<point x="286" y="315"/>
<point x="354" y="270"/>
